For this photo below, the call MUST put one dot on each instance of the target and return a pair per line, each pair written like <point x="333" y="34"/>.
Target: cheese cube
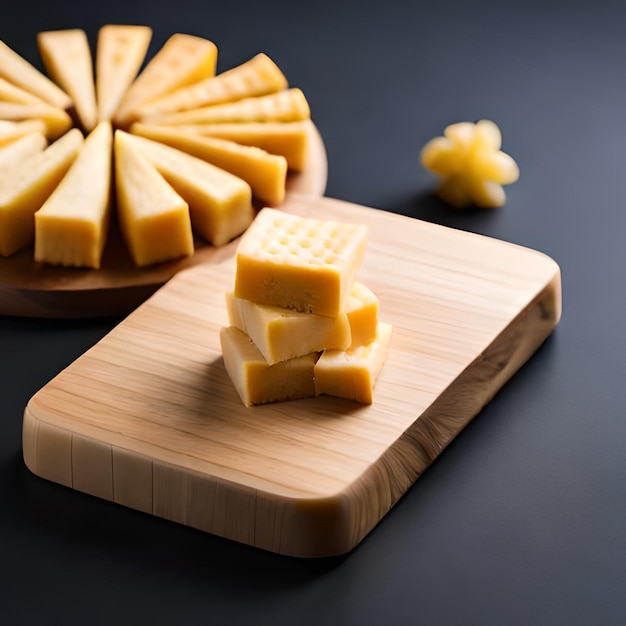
<point x="71" y="227"/>
<point x="282" y="334"/>
<point x="362" y="312"/>
<point x="299" y="263"/>
<point x="258" y="382"/>
<point x="352" y="374"/>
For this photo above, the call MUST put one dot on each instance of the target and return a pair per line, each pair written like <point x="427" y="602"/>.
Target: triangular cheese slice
<point x="257" y="77"/>
<point x="289" y="139"/>
<point x="11" y="131"/>
<point x="289" y="105"/>
<point x="57" y="121"/>
<point x="153" y="218"/>
<point x="265" y="173"/>
<point x="13" y="155"/>
<point x="220" y="204"/>
<point x="71" y="227"/>
<point x="22" y="194"/>
<point x="12" y="93"/>
<point x="120" y="53"/>
<point x="67" y="58"/>
<point x="20" y="72"/>
<point x="183" y="60"/>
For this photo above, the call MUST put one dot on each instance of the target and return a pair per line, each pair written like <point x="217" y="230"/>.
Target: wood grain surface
<point x="148" y="418"/>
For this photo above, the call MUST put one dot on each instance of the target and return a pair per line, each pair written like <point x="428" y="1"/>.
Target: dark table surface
<point x="522" y="519"/>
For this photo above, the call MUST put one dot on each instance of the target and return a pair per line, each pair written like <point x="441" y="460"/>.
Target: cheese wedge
<point x="282" y="334"/>
<point x="57" y="121"/>
<point x="265" y="173"/>
<point x="13" y="155"/>
<point x="12" y="93"/>
<point x="153" y="218"/>
<point x="289" y="139"/>
<point x="22" y="194"/>
<point x="67" y="58"/>
<point x="299" y="263"/>
<point x="289" y="105"/>
<point x="256" y="77"/>
<point x="183" y="60"/>
<point x="352" y="374"/>
<point x="220" y="204"/>
<point x="120" y="53"/>
<point x="72" y="225"/>
<point x="362" y="310"/>
<point x="255" y="380"/>
<point x="11" y="131"/>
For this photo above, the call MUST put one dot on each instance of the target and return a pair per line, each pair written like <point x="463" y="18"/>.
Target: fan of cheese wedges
<point x="172" y="151"/>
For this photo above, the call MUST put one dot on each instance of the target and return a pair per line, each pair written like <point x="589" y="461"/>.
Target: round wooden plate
<point x="30" y="289"/>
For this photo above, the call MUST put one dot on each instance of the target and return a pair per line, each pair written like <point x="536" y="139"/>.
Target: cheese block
<point x="153" y="218"/>
<point x="255" y="380"/>
<point x="13" y="155"/>
<point x="71" y="227"/>
<point x="282" y="334"/>
<point x="265" y="173"/>
<point x="352" y="374"/>
<point x="67" y="58"/>
<point x="289" y="139"/>
<point x="120" y="53"/>
<point x="57" y="121"/>
<point x="220" y="204"/>
<point x="12" y="93"/>
<point x="256" y="77"/>
<point x="20" y="72"/>
<point x="22" y="194"/>
<point x="183" y="60"/>
<point x="299" y="263"/>
<point x="11" y="131"/>
<point x="289" y="105"/>
<point x="362" y="310"/>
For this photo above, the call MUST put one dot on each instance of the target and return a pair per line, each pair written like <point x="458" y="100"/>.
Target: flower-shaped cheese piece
<point x="471" y="165"/>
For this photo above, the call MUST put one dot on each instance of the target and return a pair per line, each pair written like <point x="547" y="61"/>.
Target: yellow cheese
<point x="71" y="227"/>
<point x="12" y="93"/>
<point x="299" y="263"/>
<point x="183" y="60"/>
<point x="57" y="121"/>
<point x="22" y="194"/>
<point x="255" y="380"/>
<point x="153" y="218"/>
<point x="11" y="131"/>
<point x="120" y="53"/>
<point x="265" y="173"/>
<point x="289" y="139"/>
<point x="67" y="58"/>
<point x="289" y="105"/>
<point x="13" y="155"/>
<point x="256" y="77"/>
<point x="20" y="72"/>
<point x="220" y="203"/>
<point x="352" y="374"/>
<point x="282" y="334"/>
<point x="362" y="311"/>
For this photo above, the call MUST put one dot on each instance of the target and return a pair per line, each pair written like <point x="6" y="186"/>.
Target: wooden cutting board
<point x="148" y="418"/>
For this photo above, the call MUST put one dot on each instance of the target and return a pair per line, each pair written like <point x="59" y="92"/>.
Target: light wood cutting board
<point x="148" y="418"/>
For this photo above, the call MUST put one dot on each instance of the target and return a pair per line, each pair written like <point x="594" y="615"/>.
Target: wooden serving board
<point x="30" y="289"/>
<point x="148" y="418"/>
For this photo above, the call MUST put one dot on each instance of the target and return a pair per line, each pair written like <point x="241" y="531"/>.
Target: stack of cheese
<point x="300" y="323"/>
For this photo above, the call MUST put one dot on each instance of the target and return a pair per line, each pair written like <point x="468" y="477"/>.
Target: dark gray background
<point x="521" y="520"/>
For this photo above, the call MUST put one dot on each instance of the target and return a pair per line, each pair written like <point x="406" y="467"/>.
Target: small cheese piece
<point x="120" y="52"/>
<point x="11" y="131"/>
<point x="257" y="77"/>
<point x="352" y="374"/>
<point x="282" y="334"/>
<point x="220" y="203"/>
<point x="23" y="193"/>
<point x="299" y="263"/>
<point x="13" y="155"/>
<point x="153" y="218"/>
<point x="183" y="60"/>
<point x="255" y="380"/>
<point x="265" y="173"/>
<point x="289" y="139"/>
<point x="289" y="105"/>
<point x="67" y="58"/>
<point x="12" y="93"/>
<point x="362" y="312"/>
<point x="71" y="227"/>
<point x="20" y="72"/>
<point x="56" y="121"/>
